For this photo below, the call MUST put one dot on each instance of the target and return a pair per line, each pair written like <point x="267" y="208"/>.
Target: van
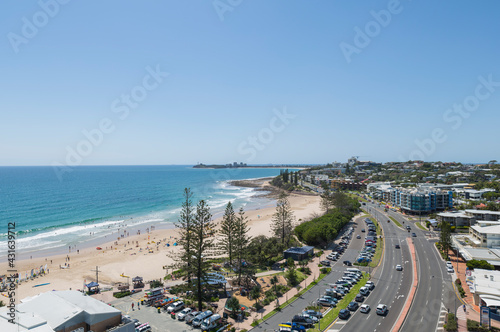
<point x="354" y="270"/>
<point x="201" y="317"/>
<point x="211" y="322"/>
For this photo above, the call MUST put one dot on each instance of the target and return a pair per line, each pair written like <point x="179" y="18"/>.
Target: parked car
<point x="182" y="315"/>
<point x="450" y="270"/>
<point x="364" y="291"/>
<point x="201" y="317"/>
<point x="326" y="302"/>
<point x="365" y="308"/>
<point x="313" y="318"/>
<point x="353" y="306"/>
<point x="176" y="306"/>
<point x="344" y="314"/>
<point x="359" y="298"/>
<point x="382" y="309"/>
<point x="301" y="320"/>
<point x="313" y="313"/>
<point x="211" y="322"/>
<point x="192" y="315"/>
<point x="399" y="268"/>
<point x="325" y="263"/>
<point x="370" y="285"/>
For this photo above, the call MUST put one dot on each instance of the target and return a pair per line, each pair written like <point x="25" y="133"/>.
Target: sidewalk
<point x="472" y="309"/>
<point x="462" y="319"/>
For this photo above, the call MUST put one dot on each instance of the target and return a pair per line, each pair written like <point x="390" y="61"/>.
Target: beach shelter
<point x="138" y="282"/>
<point x="92" y="285"/>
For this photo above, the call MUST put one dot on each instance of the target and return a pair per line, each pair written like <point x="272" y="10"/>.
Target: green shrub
<point x="451" y="323"/>
<point x="122" y="294"/>
<point x="472" y="325"/>
<point x="479" y="264"/>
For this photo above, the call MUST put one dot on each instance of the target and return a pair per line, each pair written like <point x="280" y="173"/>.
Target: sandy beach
<point x="136" y="255"/>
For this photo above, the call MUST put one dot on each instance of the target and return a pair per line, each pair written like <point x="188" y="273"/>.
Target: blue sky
<point x="233" y="66"/>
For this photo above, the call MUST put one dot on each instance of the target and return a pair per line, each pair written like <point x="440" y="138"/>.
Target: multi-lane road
<point x="435" y="291"/>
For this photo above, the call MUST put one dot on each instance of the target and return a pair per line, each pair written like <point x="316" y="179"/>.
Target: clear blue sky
<point x="227" y="78"/>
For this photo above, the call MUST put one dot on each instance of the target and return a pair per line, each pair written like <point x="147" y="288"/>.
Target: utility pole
<point x="96" y="274"/>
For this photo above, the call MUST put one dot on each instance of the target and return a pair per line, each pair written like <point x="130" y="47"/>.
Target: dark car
<point x="359" y="298"/>
<point x="397" y="246"/>
<point x="348" y="263"/>
<point x="301" y="320"/>
<point x="353" y="306"/>
<point x="413" y="234"/>
<point x="344" y="314"/>
<point x="363" y="230"/>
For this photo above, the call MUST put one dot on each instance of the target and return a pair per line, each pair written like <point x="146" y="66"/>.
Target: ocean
<point x="50" y="214"/>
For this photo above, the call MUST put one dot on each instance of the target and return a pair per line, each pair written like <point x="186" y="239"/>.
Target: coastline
<point x="138" y="255"/>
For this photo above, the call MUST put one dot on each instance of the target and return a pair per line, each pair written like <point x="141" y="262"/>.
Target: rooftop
<point x="487" y="229"/>
<point x="473" y="211"/>
<point x="460" y="214"/>
<point x="297" y="250"/>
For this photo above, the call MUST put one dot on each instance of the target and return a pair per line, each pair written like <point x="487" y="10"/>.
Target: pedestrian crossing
<point x="442" y="318"/>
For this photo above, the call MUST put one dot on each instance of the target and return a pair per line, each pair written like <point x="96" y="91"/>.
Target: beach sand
<point x="129" y="260"/>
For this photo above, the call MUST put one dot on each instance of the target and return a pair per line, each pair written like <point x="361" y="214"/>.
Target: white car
<point x="365" y="308"/>
<point x="450" y="269"/>
<point x="382" y="309"/>
<point x="448" y="264"/>
<point x="176" y="306"/>
<point x="181" y="315"/>
<point x="399" y="268"/>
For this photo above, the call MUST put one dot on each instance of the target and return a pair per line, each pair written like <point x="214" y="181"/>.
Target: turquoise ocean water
<point x="52" y="214"/>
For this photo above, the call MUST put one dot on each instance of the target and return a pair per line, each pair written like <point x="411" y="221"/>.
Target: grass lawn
<point x="358" y="198"/>
<point x="380" y="246"/>
<point x="332" y="314"/>
<point x="419" y="225"/>
<point x="395" y="221"/>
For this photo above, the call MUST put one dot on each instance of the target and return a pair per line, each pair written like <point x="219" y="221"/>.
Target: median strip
<point x="413" y="290"/>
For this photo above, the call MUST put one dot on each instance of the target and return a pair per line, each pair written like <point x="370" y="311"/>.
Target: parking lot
<point x="158" y="321"/>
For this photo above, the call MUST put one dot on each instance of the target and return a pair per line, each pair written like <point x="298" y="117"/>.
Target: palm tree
<point x="255" y="293"/>
<point x="234" y="305"/>
<point x="274" y="282"/>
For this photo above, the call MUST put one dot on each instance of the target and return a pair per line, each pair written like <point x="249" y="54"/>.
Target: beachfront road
<point x="312" y="295"/>
<point x="391" y="286"/>
<point x="435" y="291"/>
